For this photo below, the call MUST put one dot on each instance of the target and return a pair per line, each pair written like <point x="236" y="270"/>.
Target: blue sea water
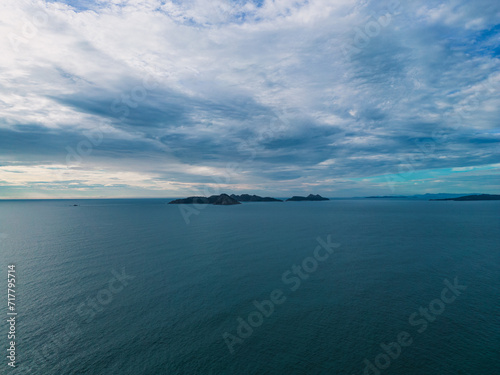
<point x="128" y="287"/>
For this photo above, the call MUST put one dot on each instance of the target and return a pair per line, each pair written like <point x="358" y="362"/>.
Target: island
<point x="254" y="198"/>
<point x="310" y="197"/>
<point x="218" y="200"/>
<point x="226" y="200"/>
<point x="478" y="197"/>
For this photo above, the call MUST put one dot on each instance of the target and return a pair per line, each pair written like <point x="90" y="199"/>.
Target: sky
<point x="147" y="98"/>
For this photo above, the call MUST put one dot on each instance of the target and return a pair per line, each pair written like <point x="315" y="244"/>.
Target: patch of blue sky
<point x="407" y="174"/>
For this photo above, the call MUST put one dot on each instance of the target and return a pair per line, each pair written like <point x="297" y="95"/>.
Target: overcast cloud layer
<point x="169" y="98"/>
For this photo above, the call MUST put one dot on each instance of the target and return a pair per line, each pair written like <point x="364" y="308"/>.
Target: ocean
<point x="344" y="287"/>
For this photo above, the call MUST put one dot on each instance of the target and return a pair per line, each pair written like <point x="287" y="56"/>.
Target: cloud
<point x="166" y="95"/>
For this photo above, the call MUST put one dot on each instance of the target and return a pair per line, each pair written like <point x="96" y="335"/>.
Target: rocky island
<point x="253" y="198"/>
<point x="310" y="197"/>
<point x="480" y="197"/>
<point x="218" y="200"/>
<point x="226" y="200"/>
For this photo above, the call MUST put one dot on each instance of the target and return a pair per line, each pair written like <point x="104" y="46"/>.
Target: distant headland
<point x="432" y="196"/>
<point x="479" y="197"/>
<point x="226" y="200"/>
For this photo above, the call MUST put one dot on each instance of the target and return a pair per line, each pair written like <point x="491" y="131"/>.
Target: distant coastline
<point x="477" y="197"/>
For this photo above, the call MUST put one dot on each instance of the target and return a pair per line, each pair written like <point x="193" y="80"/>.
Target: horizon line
<point x="273" y="196"/>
